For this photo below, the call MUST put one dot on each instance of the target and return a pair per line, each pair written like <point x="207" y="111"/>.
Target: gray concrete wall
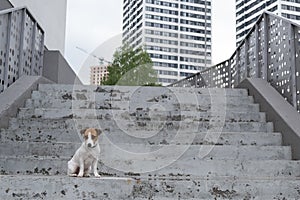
<point x="5" y="4"/>
<point x="15" y="96"/>
<point x="57" y="69"/>
<point x="284" y="117"/>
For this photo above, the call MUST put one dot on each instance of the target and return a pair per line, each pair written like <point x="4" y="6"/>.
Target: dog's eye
<point x="86" y="137"/>
<point x="93" y="137"/>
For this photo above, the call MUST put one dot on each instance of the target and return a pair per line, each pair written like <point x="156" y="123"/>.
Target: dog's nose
<point x="89" y="145"/>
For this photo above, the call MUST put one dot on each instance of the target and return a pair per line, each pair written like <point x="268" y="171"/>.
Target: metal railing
<point x="21" y="46"/>
<point x="270" y="51"/>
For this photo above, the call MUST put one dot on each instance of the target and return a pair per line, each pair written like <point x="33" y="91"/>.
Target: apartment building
<point x="97" y="74"/>
<point x="248" y="11"/>
<point x="175" y="33"/>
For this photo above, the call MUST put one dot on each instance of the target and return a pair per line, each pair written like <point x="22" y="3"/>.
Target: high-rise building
<point x="97" y="74"/>
<point x="248" y="11"/>
<point x="175" y="33"/>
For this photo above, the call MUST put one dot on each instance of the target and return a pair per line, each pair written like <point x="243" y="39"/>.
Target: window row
<point x="192" y="67"/>
<point x="290" y="16"/>
<point x="194" y="8"/>
<point x="290" y="8"/>
<point x="169" y="73"/>
<point x="194" y="60"/>
<point x="195" y="45"/>
<point x="161" y="18"/>
<point x="159" y="10"/>
<point x="162" y="3"/>
<point x="192" y="37"/>
<point x="195" y="23"/>
<point x="193" y="15"/>
<point x="186" y="74"/>
<point x="192" y="52"/>
<point x="161" y="33"/>
<point x="164" y="26"/>
<point x="163" y="49"/>
<point x="295" y="1"/>
<point x="165" y="57"/>
<point x="195" y="30"/>
<point x="164" y="64"/>
<point x="198" y="2"/>
<point x="161" y="41"/>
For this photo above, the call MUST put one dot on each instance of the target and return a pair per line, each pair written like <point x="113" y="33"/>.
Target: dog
<point x="85" y="158"/>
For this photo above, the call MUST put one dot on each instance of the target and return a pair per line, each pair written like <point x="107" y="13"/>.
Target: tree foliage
<point x="131" y="67"/>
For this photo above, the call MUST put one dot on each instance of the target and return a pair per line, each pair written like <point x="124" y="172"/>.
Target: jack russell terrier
<point x="86" y="156"/>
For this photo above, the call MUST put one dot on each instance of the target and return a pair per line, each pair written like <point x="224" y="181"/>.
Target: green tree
<point x="131" y="67"/>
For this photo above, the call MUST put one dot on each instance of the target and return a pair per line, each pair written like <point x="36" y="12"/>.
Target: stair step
<point x="62" y="187"/>
<point x="127" y="151"/>
<point x="162" y="137"/>
<point x="203" y="104"/>
<point x="54" y="113"/>
<point x="137" y="127"/>
<point x="150" y="169"/>
<point x="137" y="89"/>
<point x="138" y="100"/>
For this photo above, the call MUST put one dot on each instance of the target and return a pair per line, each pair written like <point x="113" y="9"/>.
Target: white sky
<point x="96" y="25"/>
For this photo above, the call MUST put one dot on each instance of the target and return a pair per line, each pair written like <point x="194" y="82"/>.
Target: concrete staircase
<point x="158" y="143"/>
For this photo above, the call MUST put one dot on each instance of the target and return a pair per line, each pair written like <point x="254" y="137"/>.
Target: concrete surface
<point x="285" y="118"/>
<point x="57" y="69"/>
<point x="15" y="96"/>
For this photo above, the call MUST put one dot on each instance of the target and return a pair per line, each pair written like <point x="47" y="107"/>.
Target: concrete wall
<point x="51" y="15"/>
<point x="15" y="96"/>
<point x="57" y="69"/>
<point x="284" y="117"/>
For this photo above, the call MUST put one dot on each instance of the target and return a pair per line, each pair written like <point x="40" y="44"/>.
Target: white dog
<point x="86" y="157"/>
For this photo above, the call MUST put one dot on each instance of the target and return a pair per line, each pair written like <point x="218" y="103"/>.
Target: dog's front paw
<point x="97" y="176"/>
<point x="73" y="175"/>
<point x="80" y="175"/>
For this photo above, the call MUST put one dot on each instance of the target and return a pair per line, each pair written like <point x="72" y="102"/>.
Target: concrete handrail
<point x="284" y="117"/>
<point x="15" y="96"/>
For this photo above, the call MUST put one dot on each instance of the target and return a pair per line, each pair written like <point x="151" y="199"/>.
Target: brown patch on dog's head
<point x="94" y="133"/>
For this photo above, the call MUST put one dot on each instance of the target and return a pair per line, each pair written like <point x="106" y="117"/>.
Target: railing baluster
<point x="256" y="52"/>
<point x="21" y="60"/>
<point x="7" y="53"/>
<point x="293" y="65"/>
<point x="266" y="48"/>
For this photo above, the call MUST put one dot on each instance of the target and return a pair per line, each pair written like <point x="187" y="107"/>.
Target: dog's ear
<point x="83" y="131"/>
<point x="98" y="131"/>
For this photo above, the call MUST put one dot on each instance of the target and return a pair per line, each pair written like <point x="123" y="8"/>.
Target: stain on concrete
<point x="228" y="194"/>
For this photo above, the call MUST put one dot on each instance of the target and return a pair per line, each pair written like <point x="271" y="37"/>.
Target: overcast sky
<point x="96" y="25"/>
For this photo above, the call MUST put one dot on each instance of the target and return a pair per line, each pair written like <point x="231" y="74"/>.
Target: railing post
<point x="42" y="54"/>
<point x="238" y="67"/>
<point x="256" y="52"/>
<point x="266" y="48"/>
<point x="229" y="72"/>
<point x="293" y="65"/>
<point x="6" y="66"/>
<point x="246" y="57"/>
<point x="21" y="61"/>
<point x="33" y="59"/>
